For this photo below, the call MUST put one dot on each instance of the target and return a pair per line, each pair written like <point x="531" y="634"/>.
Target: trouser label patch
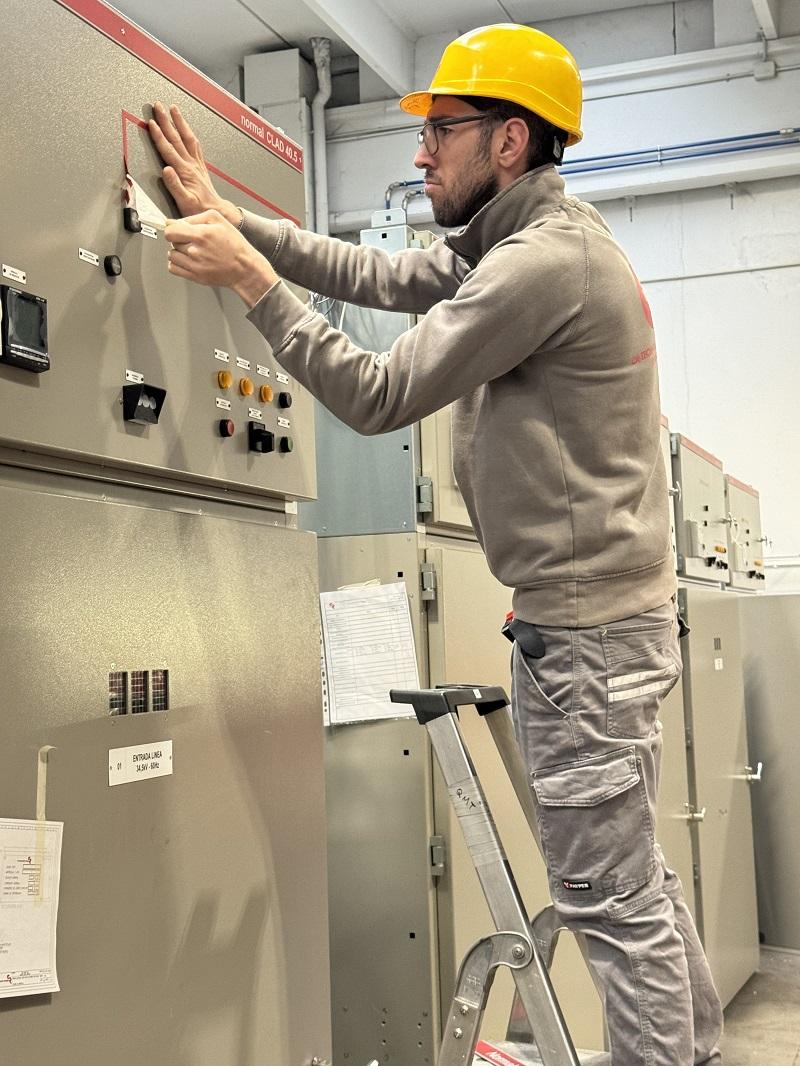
<point x="577" y="886"/>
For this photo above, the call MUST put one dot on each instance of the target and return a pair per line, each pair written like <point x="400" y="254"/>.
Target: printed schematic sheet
<point x="30" y="872"/>
<point x="369" y="649"/>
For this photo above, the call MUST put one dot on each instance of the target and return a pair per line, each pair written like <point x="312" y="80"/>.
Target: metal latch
<point x="429" y="582"/>
<point x="424" y="494"/>
<point x="438" y="855"/>
<point x="692" y="814"/>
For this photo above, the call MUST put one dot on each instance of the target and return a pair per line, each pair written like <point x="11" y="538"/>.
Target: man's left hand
<point x="209" y="250"/>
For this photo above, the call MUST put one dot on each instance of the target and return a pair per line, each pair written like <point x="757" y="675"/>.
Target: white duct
<point x="322" y="61"/>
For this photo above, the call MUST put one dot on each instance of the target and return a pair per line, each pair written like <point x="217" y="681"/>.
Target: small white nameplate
<point x="222" y="356"/>
<point x="284" y="380"/>
<point x="262" y="370"/>
<point x="243" y="364"/>
<point x="14" y="275"/>
<point x="139" y="762"/>
<point x="148" y="231"/>
<point x="134" y="377"/>
<point x="255" y="413"/>
<point x="88" y="257"/>
<point x="224" y="405"/>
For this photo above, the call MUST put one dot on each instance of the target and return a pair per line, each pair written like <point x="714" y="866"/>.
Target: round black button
<point x="226" y="427"/>
<point x="284" y="399"/>
<point x="112" y="264"/>
<point x="286" y="444"/>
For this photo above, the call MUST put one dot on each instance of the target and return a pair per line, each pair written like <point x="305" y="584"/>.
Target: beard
<point x="474" y="188"/>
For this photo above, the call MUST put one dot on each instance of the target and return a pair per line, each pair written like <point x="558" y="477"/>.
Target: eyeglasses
<point x="429" y="134"/>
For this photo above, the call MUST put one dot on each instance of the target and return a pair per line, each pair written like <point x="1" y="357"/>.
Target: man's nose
<point x="423" y="160"/>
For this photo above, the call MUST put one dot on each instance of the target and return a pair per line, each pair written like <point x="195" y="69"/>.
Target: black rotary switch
<point x="259" y="438"/>
<point x="284" y="399"/>
<point x="226" y="427"/>
<point x="112" y="264"/>
<point x="286" y="444"/>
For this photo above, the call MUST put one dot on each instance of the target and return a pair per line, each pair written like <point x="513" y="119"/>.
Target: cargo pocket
<point x="596" y="831"/>
<point x="643" y="664"/>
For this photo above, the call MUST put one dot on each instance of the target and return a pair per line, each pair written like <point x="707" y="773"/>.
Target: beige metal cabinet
<point x="725" y="891"/>
<point x="770" y="627"/>
<point x="701" y="528"/>
<point x="745" y="541"/>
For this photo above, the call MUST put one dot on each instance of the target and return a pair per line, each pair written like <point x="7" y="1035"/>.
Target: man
<point x="538" y="332"/>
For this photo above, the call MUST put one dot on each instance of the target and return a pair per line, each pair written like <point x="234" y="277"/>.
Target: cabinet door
<point x="714" y="696"/>
<point x="436" y="458"/>
<point x="466" y="646"/>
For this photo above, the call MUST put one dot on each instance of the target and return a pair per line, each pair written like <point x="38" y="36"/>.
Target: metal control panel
<point x="106" y="358"/>
<point x="745" y="540"/>
<point x="701" y="529"/>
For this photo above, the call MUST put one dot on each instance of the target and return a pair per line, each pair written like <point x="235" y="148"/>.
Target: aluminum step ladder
<point x="524" y="947"/>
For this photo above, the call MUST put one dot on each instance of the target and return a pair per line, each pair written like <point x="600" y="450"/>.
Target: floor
<point x="762" y="1023"/>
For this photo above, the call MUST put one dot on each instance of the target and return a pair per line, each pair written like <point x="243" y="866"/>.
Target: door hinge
<point x="424" y="494"/>
<point x="428" y="581"/>
<point x="438" y="853"/>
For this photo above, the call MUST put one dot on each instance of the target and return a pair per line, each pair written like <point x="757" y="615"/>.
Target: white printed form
<point x="30" y="871"/>
<point x="369" y="649"/>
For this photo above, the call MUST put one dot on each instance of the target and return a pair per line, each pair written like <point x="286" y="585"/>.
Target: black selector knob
<point x="112" y="264"/>
<point x="226" y="427"/>
<point x="259" y="438"/>
<point x="130" y="220"/>
<point x="286" y="444"/>
<point x="284" y="399"/>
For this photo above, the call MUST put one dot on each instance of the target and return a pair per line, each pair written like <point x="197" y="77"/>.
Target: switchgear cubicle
<point x="157" y="592"/>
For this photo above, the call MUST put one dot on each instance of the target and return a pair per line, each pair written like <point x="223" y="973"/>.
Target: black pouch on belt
<point x="525" y="634"/>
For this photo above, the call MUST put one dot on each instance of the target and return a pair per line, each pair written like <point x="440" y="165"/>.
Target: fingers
<point x="186" y="132"/>
<point x="169" y="132"/>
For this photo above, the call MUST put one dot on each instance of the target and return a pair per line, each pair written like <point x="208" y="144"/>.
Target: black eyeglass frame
<point x="437" y="123"/>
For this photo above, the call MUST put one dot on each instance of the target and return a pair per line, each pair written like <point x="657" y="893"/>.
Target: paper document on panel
<point x="30" y="872"/>
<point x="369" y="649"/>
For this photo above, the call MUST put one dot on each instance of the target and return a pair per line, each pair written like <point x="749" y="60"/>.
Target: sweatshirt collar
<point x="525" y="200"/>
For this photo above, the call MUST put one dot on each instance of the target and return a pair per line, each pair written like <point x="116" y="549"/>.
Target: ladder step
<point x="506" y="1053"/>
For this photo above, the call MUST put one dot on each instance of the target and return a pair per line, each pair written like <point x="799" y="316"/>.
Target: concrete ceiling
<point x="216" y="34"/>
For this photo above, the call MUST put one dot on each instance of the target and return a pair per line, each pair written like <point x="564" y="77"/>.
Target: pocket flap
<point x="588" y="783"/>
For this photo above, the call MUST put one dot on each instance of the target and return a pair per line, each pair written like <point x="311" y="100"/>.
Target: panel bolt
<point x="464" y="1009"/>
<point x="458" y="1033"/>
<point x="518" y="951"/>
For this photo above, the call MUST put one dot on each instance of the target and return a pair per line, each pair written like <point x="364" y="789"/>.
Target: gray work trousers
<point x="586" y="718"/>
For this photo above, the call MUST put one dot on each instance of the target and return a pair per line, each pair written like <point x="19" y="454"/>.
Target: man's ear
<point x="513" y="152"/>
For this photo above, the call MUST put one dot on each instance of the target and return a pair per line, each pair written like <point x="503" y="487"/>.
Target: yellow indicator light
<point x="224" y="379"/>
<point x="246" y="387"/>
<point x="266" y="393"/>
<point x="721" y="549"/>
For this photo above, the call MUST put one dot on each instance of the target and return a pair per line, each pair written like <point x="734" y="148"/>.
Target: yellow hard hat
<point x="509" y="62"/>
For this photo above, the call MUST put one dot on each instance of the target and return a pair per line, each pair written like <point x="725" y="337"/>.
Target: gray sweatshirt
<point x="537" y="331"/>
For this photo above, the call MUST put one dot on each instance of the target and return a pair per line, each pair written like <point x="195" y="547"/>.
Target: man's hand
<point x="186" y="174"/>
<point x="209" y="250"/>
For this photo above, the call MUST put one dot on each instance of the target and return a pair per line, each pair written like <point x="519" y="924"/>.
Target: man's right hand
<point x="185" y="172"/>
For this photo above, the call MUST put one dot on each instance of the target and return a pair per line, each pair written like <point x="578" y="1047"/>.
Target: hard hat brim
<point x="417" y="103"/>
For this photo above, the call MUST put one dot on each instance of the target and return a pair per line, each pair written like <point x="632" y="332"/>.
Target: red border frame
<point x="140" y="44"/>
<point x="128" y="117"/>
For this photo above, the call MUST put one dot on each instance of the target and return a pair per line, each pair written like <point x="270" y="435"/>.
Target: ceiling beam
<point x="767" y="16"/>
<point x="372" y="35"/>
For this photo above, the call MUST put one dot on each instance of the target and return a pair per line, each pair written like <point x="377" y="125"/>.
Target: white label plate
<point x="255" y="413"/>
<point x="262" y="370"/>
<point x="284" y="380"/>
<point x="222" y="356"/>
<point x="14" y="275"/>
<point x="224" y="405"/>
<point x="139" y="762"/>
<point x="134" y="377"/>
<point x="243" y="364"/>
<point x="148" y="231"/>
<point x="89" y="257"/>
<point x="719" y="664"/>
<point x="284" y="423"/>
